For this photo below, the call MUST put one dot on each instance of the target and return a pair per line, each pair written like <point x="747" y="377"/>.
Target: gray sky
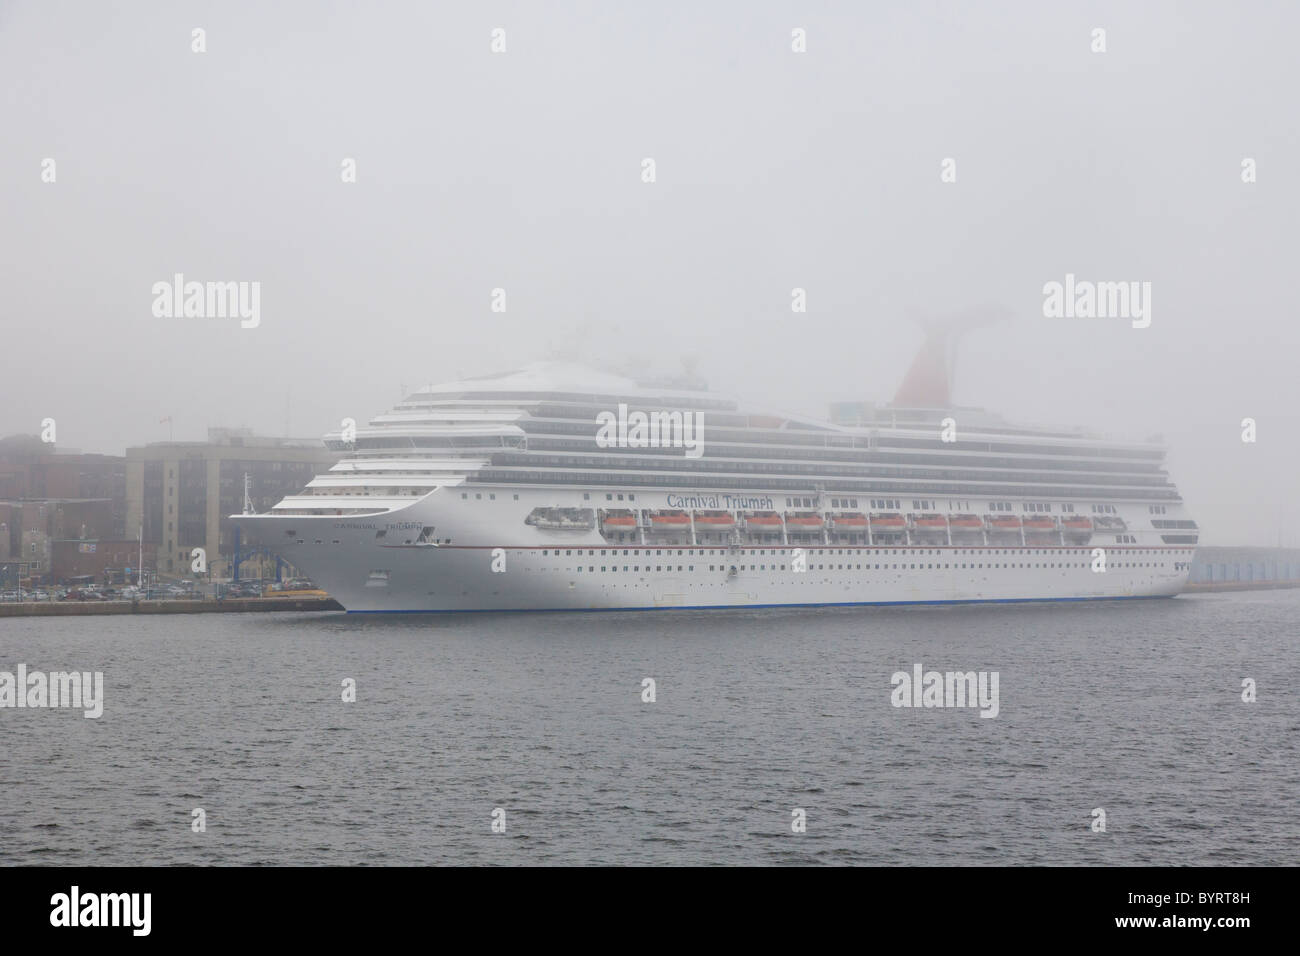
<point x="774" y="170"/>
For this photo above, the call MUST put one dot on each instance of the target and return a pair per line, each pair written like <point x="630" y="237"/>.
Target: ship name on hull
<point x="721" y="502"/>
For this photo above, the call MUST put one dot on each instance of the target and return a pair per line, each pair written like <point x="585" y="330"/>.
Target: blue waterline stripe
<point x="738" y="607"/>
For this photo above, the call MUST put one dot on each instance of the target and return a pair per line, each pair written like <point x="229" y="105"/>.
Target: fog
<point x="774" y="170"/>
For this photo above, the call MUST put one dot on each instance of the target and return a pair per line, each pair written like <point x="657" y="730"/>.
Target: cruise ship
<point x="560" y="487"/>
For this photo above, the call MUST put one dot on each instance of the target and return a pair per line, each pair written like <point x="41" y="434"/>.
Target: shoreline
<point x="201" y="606"/>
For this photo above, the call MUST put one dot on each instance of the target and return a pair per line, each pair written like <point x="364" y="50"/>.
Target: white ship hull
<point x="480" y="555"/>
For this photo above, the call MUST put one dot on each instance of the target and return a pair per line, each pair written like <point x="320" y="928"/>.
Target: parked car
<point x="243" y="589"/>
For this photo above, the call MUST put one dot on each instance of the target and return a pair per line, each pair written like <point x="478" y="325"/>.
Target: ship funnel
<point x="928" y="383"/>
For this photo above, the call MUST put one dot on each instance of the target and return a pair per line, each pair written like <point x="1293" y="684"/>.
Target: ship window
<point x="609" y="497"/>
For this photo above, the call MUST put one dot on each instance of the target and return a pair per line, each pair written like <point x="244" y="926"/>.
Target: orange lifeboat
<point x="618" y="520"/>
<point x="849" y="521"/>
<point x="966" y="523"/>
<point x="888" y="523"/>
<point x="1078" y="524"/>
<point x="763" y="520"/>
<point x="931" y="522"/>
<point x="1040" y="524"/>
<point x="803" y="521"/>
<point x="715" y="519"/>
<point x="670" y="519"/>
<point x="1005" y="523"/>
